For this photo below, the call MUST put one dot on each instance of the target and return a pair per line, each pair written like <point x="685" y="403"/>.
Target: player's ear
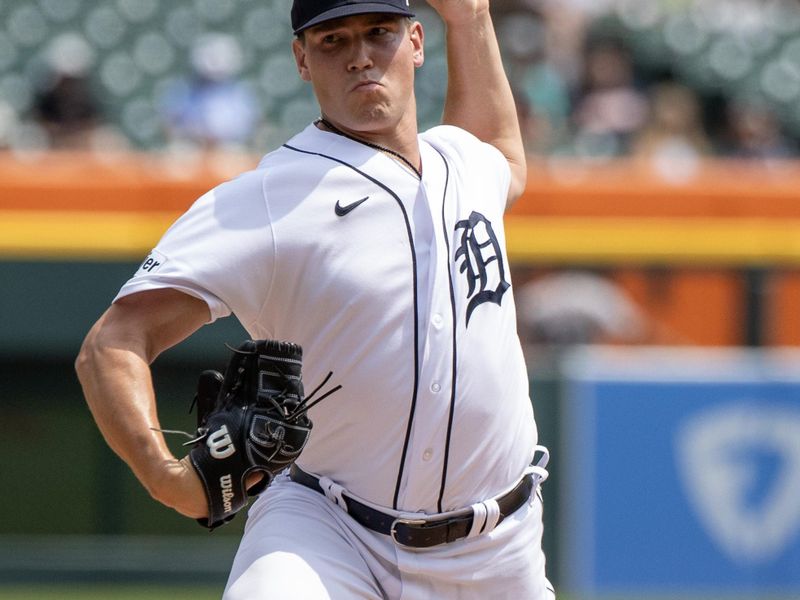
<point x="417" y="36"/>
<point x="299" y="51"/>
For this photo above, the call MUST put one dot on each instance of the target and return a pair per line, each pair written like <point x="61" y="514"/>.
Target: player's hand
<point x="182" y="490"/>
<point x="458" y="11"/>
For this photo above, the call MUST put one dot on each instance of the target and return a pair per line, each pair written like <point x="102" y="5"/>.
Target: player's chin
<point x="375" y="111"/>
<point x="370" y="102"/>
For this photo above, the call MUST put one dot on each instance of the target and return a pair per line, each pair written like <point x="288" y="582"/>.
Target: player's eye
<point x="378" y="31"/>
<point x="330" y="38"/>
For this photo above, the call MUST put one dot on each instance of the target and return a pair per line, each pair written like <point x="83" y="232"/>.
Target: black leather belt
<point x="420" y="533"/>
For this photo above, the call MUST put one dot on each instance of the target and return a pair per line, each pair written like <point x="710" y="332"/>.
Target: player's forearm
<point x="114" y="370"/>
<point x="118" y="390"/>
<point x="479" y="97"/>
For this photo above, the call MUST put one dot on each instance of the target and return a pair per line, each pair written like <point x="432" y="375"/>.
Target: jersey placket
<point x="426" y="460"/>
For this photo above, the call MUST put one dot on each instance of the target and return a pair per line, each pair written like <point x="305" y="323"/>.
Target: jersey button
<point x="437" y="321"/>
<point x="427" y="455"/>
<point x="436" y="388"/>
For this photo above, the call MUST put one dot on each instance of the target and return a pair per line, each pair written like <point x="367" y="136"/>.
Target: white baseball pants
<point x="298" y="545"/>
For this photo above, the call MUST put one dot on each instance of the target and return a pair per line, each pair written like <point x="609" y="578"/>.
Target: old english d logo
<point x="740" y="465"/>
<point x="220" y="444"/>
<point x="482" y="264"/>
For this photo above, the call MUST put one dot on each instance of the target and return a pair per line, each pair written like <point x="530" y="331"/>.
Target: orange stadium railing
<point x="680" y="239"/>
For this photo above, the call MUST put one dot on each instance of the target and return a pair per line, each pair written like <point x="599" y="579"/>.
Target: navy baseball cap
<point x="307" y="13"/>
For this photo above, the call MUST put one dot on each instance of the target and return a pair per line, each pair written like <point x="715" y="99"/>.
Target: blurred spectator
<point x="567" y="23"/>
<point x="578" y="308"/>
<point x="529" y="123"/>
<point x="609" y="109"/>
<point x="540" y="91"/>
<point x="8" y="124"/>
<point x="754" y="132"/>
<point x="212" y="108"/>
<point x="64" y="104"/>
<point x="673" y="138"/>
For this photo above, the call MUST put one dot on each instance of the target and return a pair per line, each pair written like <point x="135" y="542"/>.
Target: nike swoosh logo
<point x="343" y="210"/>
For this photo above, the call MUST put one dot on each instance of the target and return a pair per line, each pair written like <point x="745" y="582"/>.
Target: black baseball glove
<point x="251" y="420"/>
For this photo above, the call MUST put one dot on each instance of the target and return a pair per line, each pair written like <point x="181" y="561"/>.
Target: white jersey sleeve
<point x="220" y="251"/>
<point x="474" y="159"/>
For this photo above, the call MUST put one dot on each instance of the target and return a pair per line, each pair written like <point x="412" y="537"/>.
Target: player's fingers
<point x="253" y="479"/>
<point x="256" y="482"/>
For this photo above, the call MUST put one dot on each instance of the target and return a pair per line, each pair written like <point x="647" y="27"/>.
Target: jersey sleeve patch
<point x="154" y="261"/>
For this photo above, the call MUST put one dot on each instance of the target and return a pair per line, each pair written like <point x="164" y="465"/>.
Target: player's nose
<point x="360" y="58"/>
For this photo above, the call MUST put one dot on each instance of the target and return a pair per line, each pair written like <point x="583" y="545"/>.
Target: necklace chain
<point x="338" y="131"/>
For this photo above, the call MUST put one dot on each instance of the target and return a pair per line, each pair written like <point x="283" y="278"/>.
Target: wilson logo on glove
<point x="226" y="485"/>
<point x="220" y="444"/>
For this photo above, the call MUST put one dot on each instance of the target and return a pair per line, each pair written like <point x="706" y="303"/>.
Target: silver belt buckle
<point x="404" y="521"/>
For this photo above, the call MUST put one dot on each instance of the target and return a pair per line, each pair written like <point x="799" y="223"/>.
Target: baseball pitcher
<point x="366" y="259"/>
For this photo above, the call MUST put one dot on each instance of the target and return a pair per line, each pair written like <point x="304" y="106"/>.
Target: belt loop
<point x="492" y="515"/>
<point x="478" y="519"/>
<point x="333" y="492"/>
<point x="538" y="469"/>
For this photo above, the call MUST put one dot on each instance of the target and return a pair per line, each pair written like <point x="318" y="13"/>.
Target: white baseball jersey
<point x="399" y="286"/>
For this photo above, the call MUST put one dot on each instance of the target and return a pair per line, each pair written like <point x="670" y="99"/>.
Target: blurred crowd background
<point x="662" y="79"/>
<point x="662" y="210"/>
